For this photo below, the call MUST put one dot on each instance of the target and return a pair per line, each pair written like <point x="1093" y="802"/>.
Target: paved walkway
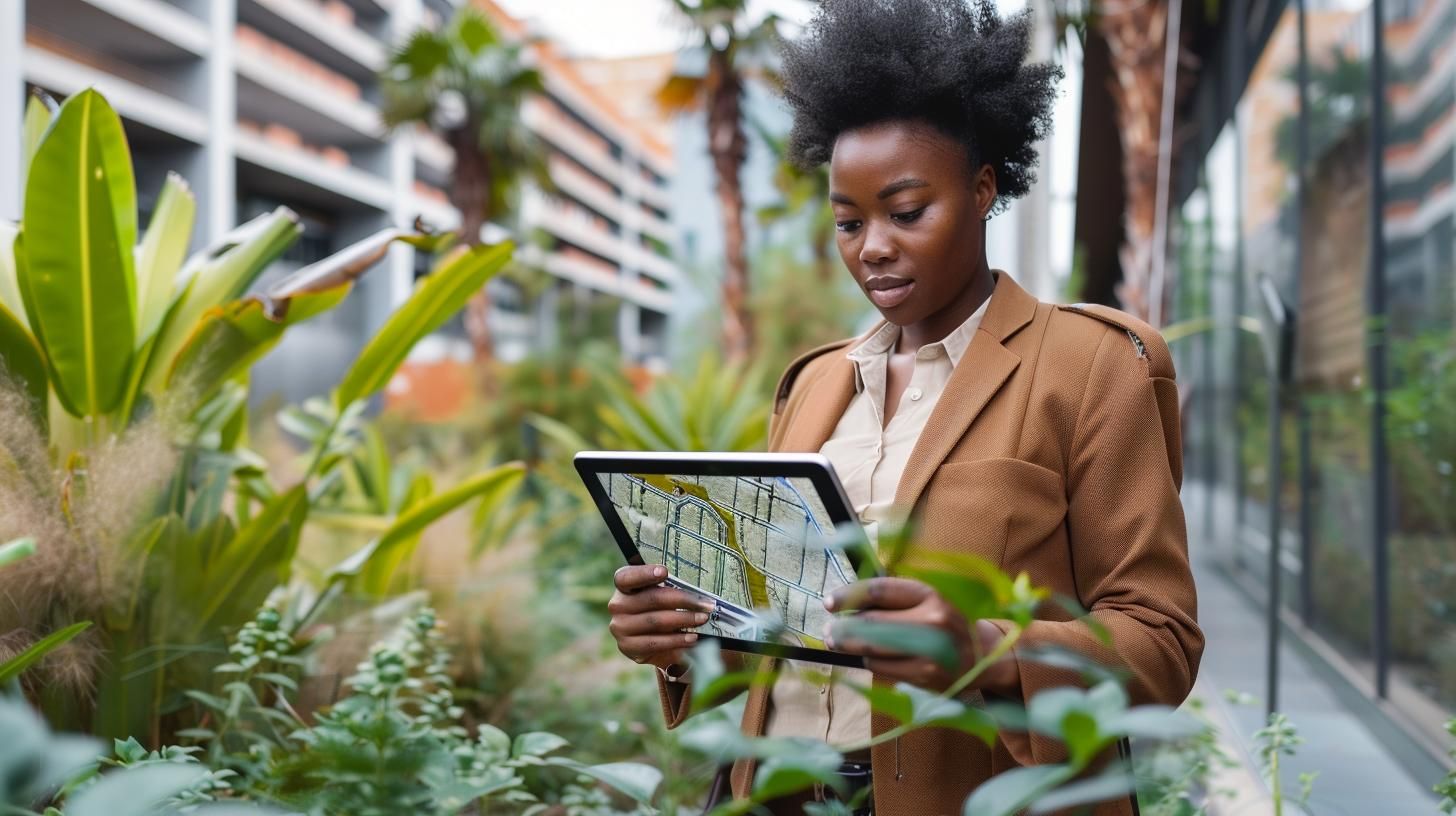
<point x="1357" y="777"/>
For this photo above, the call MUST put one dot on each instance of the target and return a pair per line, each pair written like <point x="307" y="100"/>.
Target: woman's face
<point x="908" y="211"/>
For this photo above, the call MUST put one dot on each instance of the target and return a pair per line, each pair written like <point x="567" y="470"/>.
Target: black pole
<point x="1240" y="70"/>
<point x="1276" y="484"/>
<point x="1301" y="410"/>
<point x="1379" y="332"/>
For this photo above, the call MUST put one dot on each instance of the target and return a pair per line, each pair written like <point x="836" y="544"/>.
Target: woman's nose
<point x="877" y="247"/>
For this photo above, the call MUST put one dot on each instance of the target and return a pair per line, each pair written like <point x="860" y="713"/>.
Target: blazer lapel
<point x="985" y="367"/>
<point x="812" y="425"/>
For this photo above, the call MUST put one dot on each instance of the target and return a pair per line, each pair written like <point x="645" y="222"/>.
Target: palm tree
<point x="732" y="48"/>
<point x="801" y="190"/>
<point x="467" y="83"/>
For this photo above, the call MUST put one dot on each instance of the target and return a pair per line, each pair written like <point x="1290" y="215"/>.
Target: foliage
<point x="1446" y="788"/>
<point x="124" y="449"/>
<point x="1275" y="740"/>
<point x="1089" y="721"/>
<point x="1174" y="778"/>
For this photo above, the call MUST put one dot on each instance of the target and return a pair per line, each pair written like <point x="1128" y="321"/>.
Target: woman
<point x="1043" y="438"/>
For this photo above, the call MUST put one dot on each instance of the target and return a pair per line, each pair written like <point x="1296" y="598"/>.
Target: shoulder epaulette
<point x="1146" y="340"/>
<point x="786" y="381"/>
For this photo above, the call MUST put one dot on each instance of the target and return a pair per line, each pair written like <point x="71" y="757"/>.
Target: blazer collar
<point x="986" y="366"/>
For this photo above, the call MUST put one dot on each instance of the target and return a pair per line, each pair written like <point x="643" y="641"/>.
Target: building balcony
<point x="571" y="138"/>
<point x="132" y="31"/>
<point x="132" y="100"/>
<point x="277" y="84"/>
<point x="649" y="262"/>
<point x="586" y="188"/>
<point x="434" y="159"/>
<point x="323" y="29"/>
<point x="304" y="175"/>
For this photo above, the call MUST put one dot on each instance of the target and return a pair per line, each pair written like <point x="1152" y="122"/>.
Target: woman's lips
<point x="891" y="297"/>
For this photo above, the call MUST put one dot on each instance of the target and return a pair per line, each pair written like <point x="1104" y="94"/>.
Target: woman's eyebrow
<point x="902" y="184"/>
<point x="890" y="189"/>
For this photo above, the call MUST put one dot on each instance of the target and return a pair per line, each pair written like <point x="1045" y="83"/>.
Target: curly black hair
<point x="957" y="66"/>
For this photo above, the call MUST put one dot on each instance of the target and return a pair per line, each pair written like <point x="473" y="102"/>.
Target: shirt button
<point x="915" y="394"/>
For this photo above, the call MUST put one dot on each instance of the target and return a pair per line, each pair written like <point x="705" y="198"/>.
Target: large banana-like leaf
<point x="76" y="274"/>
<point x="370" y="569"/>
<point x="229" y="339"/>
<point x="38" y="117"/>
<point x="9" y="285"/>
<point x="443" y="293"/>
<point x="21" y="360"/>
<point x="216" y="276"/>
<point x="160" y="254"/>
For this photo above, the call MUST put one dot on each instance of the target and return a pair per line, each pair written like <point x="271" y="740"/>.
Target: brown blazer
<point x="1054" y="450"/>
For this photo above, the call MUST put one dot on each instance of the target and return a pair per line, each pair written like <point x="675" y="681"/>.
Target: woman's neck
<point x="939" y="325"/>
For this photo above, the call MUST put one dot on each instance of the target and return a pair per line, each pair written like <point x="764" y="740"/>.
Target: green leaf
<point x="536" y="744"/>
<point x="1114" y="783"/>
<point x="161" y="252"/>
<point x="135" y="791"/>
<point x="10" y="296"/>
<point x="375" y="565"/>
<point x="22" y="361"/>
<point x="77" y="276"/>
<point x="15" y="550"/>
<point x="922" y="641"/>
<point x="929" y="709"/>
<point x="11" y="669"/>
<point x="790" y="772"/>
<point x="1008" y="792"/>
<point x="216" y="276"/>
<point x="1083" y="738"/>
<point x="1154" y="722"/>
<point x="632" y="779"/>
<point x="255" y="561"/>
<point x="228" y="340"/>
<point x="38" y="118"/>
<point x="444" y="292"/>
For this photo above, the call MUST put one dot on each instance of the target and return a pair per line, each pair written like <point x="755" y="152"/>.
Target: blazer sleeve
<point x="1126" y="535"/>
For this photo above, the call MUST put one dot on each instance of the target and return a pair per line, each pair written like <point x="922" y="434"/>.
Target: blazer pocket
<point x="992" y="507"/>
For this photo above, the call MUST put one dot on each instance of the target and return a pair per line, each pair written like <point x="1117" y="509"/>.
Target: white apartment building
<point x="259" y="103"/>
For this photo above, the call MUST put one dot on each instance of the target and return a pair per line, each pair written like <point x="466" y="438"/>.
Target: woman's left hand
<point x="907" y="601"/>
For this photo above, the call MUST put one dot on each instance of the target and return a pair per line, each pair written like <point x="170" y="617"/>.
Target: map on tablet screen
<point x="758" y="545"/>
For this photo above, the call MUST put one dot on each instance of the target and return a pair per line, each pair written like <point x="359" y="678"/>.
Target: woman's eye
<point x="907" y="217"/>
<point x="846" y="226"/>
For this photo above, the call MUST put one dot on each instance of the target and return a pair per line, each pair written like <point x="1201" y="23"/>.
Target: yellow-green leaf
<point x="21" y="361"/>
<point x="444" y="292"/>
<point x="11" y="669"/>
<point x="77" y="275"/>
<point x="9" y="285"/>
<point x="37" y="120"/>
<point x="372" y="567"/>
<point x="161" y="252"/>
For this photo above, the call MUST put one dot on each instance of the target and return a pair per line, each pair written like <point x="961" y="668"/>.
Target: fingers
<point x="655" y="600"/>
<point x="639" y="576"/>
<point x="656" y="649"/>
<point x="878" y="593"/>
<point x="654" y="623"/>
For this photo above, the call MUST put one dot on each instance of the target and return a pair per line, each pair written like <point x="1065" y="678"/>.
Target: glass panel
<point x="1269" y="113"/>
<point x="1420" y="94"/>
<point x="1331" y="364"/>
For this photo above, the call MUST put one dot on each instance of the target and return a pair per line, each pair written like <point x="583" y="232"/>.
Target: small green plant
<point x="1446" y="788"/>
<point x="1174" y="779"/>
<point x="1280" y="739"/>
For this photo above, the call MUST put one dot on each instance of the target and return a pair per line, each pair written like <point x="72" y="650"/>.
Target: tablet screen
<point x="760" y="546"/>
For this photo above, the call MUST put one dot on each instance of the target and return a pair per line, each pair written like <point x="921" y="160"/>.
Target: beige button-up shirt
<point x="869" y="456"/>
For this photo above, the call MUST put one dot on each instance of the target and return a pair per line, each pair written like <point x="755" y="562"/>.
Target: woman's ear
<point x="985" y="190"/>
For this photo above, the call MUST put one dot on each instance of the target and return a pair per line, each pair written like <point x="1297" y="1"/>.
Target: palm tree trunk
<point x="470" y="193"/>
<point x="1136" y="34"/>
<point x="729" y="148"/>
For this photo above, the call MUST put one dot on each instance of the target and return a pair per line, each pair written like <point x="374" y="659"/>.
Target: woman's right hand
<point x="648" y="619"/>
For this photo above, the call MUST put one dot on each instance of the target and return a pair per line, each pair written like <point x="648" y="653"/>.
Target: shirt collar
<point x="876" y="347"/>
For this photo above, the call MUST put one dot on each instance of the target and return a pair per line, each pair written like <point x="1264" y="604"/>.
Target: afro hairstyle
<point x="955" y="65"/>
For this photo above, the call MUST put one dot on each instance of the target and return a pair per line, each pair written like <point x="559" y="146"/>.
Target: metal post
<point x="1375" y="292"/>
<point x="1276" y="484"/>
<point x="1301" y="411"/>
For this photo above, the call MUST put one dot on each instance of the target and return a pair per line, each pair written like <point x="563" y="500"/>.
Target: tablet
<point x="753" y="532"/>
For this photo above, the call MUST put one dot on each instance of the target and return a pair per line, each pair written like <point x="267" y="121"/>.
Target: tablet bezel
<point x="812" y="466"/>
